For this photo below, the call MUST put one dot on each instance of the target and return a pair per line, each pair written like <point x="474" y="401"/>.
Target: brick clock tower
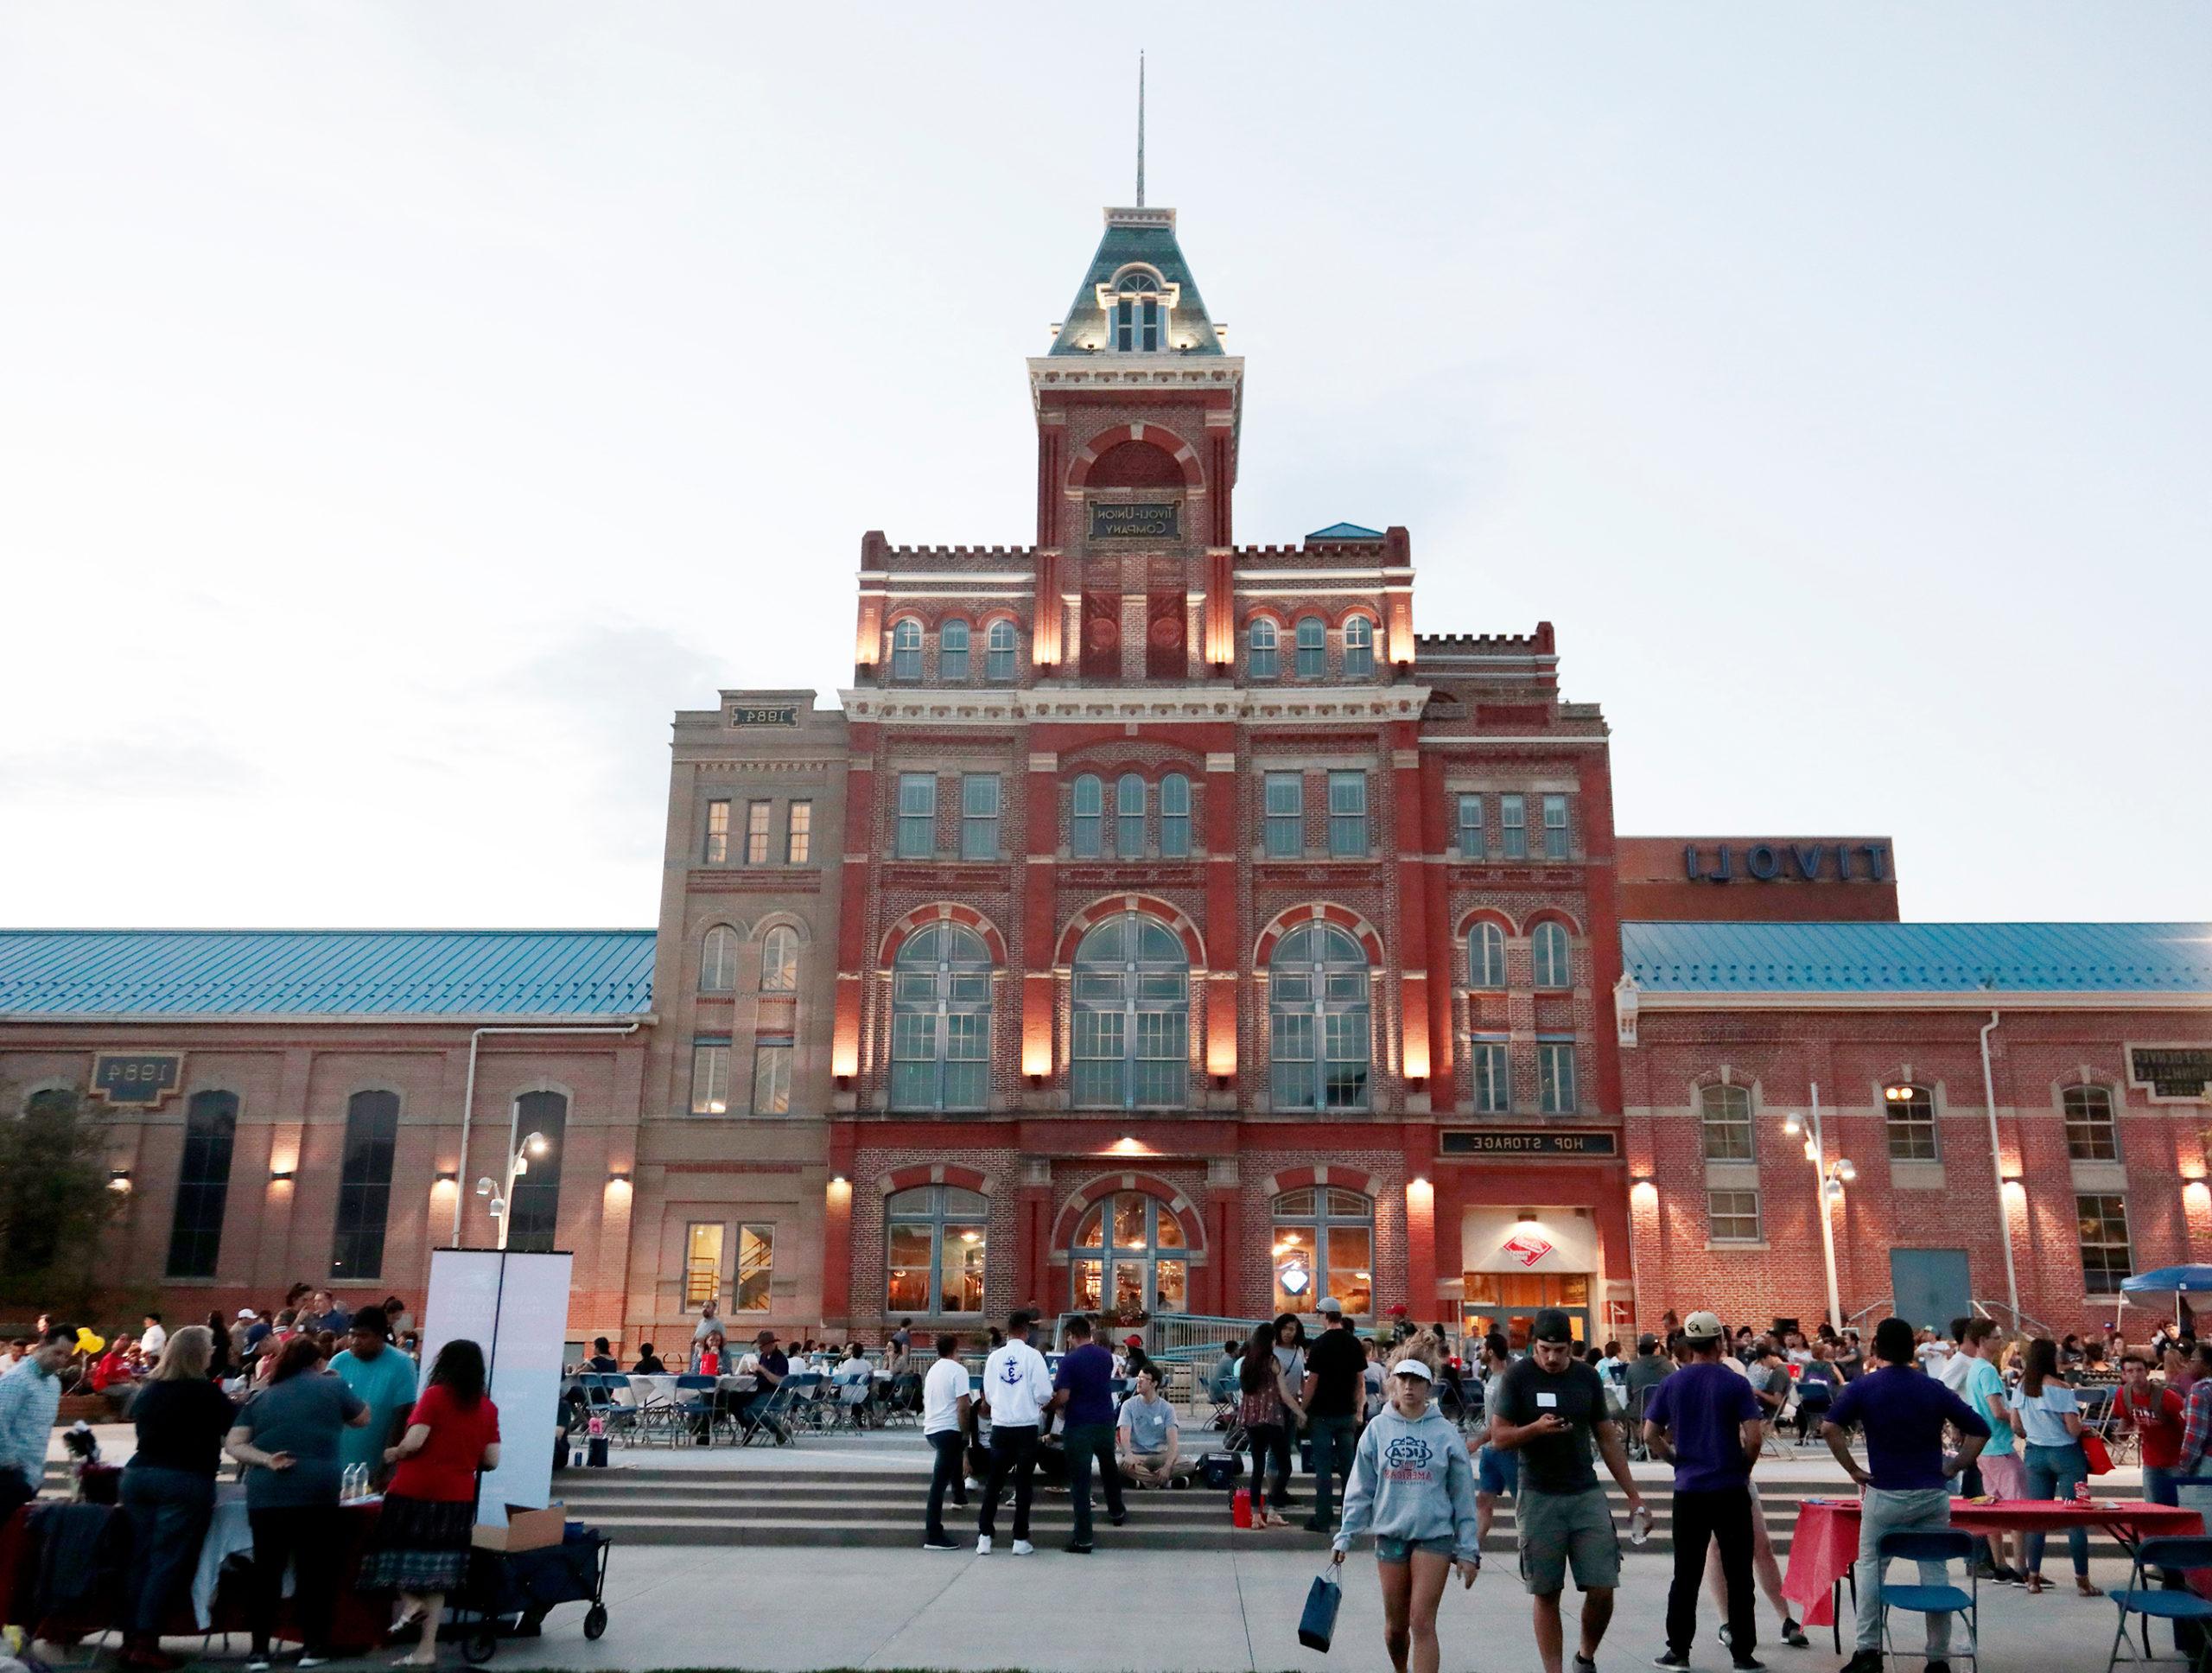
<point x="1189" y="900"/>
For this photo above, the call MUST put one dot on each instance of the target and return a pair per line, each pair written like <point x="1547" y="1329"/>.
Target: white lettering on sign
<point x="1526" y="1247"/>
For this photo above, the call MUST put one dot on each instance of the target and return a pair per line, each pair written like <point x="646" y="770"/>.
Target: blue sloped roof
<point x="1144" y="236"/>
<point x="1761" y="957"/>
<point x="1345" y="532"/>
<point x="325" y="972"/>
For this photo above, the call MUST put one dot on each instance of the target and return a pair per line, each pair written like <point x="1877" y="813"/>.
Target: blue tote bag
<point x="1319" y="1624"/>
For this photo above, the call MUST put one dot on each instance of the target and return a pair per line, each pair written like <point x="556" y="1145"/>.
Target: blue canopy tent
<point x="2167" y="1282"/>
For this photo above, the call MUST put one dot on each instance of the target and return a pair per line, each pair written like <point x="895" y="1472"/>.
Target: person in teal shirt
<point x="384" y="1379"/>
<point x="2002" y="1475"/>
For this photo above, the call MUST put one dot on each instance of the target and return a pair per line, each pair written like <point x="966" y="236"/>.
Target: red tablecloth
<point x="1826" y="1542"/>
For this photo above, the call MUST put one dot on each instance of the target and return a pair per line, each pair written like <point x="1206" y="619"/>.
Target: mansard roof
<point x="1144" y="237"/>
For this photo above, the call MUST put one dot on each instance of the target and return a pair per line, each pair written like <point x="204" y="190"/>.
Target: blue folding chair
<point x="2177" y="1605"/>
<point x="1935" y="1548"/>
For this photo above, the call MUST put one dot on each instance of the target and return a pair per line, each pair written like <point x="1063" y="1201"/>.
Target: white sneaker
<point x="1022" y="1548"/>
<point x="982" y="1545"/>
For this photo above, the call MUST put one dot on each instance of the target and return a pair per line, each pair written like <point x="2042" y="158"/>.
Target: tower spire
<point x="1139" y="129"/>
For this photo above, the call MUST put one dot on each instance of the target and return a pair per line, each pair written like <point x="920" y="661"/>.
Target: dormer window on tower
<point x="1139" y="308"/>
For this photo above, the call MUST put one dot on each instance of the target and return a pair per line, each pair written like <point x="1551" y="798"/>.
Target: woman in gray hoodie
<point x="1412" y="1483"/>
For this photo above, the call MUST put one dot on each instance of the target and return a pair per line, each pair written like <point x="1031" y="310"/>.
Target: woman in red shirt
<point x="421" y="1543"/>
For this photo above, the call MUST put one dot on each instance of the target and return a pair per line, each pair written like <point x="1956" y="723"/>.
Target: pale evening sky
<point x="403" y="408"/>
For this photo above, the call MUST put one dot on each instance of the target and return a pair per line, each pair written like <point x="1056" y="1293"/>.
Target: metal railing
<point x="1185" y="1337"/>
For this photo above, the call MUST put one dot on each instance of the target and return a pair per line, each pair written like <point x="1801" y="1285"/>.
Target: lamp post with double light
<point x="1833" y="1172"/>
<point x="502" y="1197"/>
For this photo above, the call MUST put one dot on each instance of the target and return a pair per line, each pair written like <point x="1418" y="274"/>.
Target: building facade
<point x="1161" y="926"/>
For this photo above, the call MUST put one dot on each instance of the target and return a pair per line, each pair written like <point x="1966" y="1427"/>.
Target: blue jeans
<point x="2159" y="1485"/>
<point x="1335" y="1440"/>
<point x="169" y="1511"/>
<point x="2053" y="1472"/>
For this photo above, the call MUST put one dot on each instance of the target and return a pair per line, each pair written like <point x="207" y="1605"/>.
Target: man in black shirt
<point x="1335" y="1373"/>
<point x="1551" y="1406"/>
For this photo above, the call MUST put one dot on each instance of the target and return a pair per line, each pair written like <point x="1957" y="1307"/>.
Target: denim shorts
<point x="1387" y="1550"/>
<point x="1497" y="1472"/>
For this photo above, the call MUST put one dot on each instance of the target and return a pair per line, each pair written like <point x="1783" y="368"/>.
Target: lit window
<point x="798" y="835"/>
<point x="1285" y="814"/>
<point x="1359" y="648"/>
<point x="952" y="651"/>
<point x="1129" y="1253"/>
<point x="203" y="1185"/>
<point x="703" y="1263"/>
<point x="979" y="816"/>
<point x="2091" y="1135"/>
<point x="1132" y="1016"/>
<point x="1493" y="1078"/>
<point x="1136" y="315"/>
<point x="710" y="1077"/>
<point x="1555" y="843"/>
<point x="906" y="649"/>
<point x="717" y="845"/>
<point x="2106" y="1257"/>
<point x="757" y="815"/>
<point x="772" y="1078"/>
<point x="1174" y="817"/>
<point x="756" y="1267"/>
<point x="1472" y="843"/>
<point x="365" y="1186"/>
<point x="917" y="815"/>
<point x="1513" y="820"/>
<point x="1313" y="648"/>
<point x="1129" y="816"/>
<point x="1911" y="1121"/>
<point x="1486" y="956"/>
<point x="718" y="960"/>
<point x="1556" y="1078"/>
<point x="936" y="1236"/>
<point x="779" y="960"/>
<point x="1734" y="1216"/>
<point x="998" y="650"/>
<point x="1318" y="1020"/>
<point x="1261" y="660"/>
<point x="1726" y="1113"/>
<point x="1324" y="1245"/>
<point x="1347" y="814"/>
<point x="1089" y="805"/>
<point x="1549" y="951"/>
<point x="940" y="1020"/>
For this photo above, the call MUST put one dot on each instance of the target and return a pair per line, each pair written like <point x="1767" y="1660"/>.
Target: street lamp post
<point x="502" y="1197"/>
<point x="1831" y="1176"/>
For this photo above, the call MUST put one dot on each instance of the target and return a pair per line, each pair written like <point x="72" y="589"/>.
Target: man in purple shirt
<point x="1082" y="1390"/>
<point x="1707" y="1421"/>
<point x="1903" y="1411"/>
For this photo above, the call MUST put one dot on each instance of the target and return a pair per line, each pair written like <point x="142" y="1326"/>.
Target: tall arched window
<point x="1174" y="817"/>
<point x="365" y="1187"/>
<point x="1324" y="1245"/>
<point x="1137" y="314"/>
<point x="1548" y="948"/>
<point x="1486" y="956"/>
<point x="1726" y="1112"/>
<point x="952" y="652"/>
<point x="1911" y="1121"/>
<point x="1359" y="648"/>
<point x="936" y="1236"/>
<point x="1313" y="648"/>
<point x="1261" y="660"/>
<point x="718" y="960"/>
<point x="906" y="649"/>
<point x="1318" y="1020"/>
<point x="998" y="650"/>
<point x="941" y="1020"/>
<point x="203" y="1184"/>
<point x="1129" y="1253"/>
<point x="779" y="960"/>
<point x="1129" y="816"/>
<point x="535" y="1208"/>
<point x="1089" y="811"/>
<point x="1132" y="1016"/>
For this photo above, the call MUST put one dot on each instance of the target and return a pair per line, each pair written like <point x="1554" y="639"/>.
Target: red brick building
<point x="1161" y="923"/>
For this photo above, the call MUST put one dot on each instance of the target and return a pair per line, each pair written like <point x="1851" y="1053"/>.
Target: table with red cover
<point x="1826" y="1542"/>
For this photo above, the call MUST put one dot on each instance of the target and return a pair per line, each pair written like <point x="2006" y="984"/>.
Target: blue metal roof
<point x="523" y="973"/>
<point x="1763" y="958"/>
<point x="1345" y="532"/>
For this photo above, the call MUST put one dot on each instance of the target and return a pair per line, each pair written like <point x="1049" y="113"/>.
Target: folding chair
<point x="2178" y="1605"/>
<point x="694" y="1405"/>
<point x="656" y="1412"/>
<point x="615" y="1419"/>
<point x="845" y="1409"/>
<point x="1933" y="1548"/>
<point x="773" y="1417"/>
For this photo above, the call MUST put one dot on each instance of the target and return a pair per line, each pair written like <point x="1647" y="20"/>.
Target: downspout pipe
<point x="469" y="1103"/>
<point x="1997" y="1165"/>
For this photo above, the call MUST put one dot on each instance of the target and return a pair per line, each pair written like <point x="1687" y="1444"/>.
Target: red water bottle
<point x="1240" y="1507"/>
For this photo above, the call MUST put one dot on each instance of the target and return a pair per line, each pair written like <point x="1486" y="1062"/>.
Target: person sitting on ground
<point x="1150" y="1441"/>
<point x="649" y="1363"/>
<point x="602" y="1360"/>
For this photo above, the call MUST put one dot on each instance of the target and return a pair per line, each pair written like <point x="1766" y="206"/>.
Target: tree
<point x="54" y="1202"/>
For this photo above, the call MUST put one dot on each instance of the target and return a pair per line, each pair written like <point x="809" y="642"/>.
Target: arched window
<point x="936" y="1235"/>
<point x="1174" y="817"/>
<point x="1359" y="648"/>
<point x="1318" y="1018"/>
<point x="906" y="649"/>
<point x="535" y="1207"/>
<point x="779" y="960"/>
<point x="1325" y="1245"/>
<point x="203" y="1184"/>
<point x="718" y="960"/>
<point x="2090" y="1133"/>
<point x="998" y="650"/>
<point x="1911" y="1122"/>
<point x="952" y="652"/>
<point x="941" y="1020"/>
<point x="1726" y="1112"/>
<point x="1089" y="810"/>
<point x="1132" y="1016"/>
<point x="1137" y="314"/>
<point x="365" y="1187"/>
<point x="1554" y="958"/>
<point x="1129" y="816"/>
<point x="1261" y="661"/>
<point x="1130" y="1254"/>
<point x="1486" y="956"/>
<point x="1313" y="648"/>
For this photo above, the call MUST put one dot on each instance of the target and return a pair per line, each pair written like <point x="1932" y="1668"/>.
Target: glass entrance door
<point x="1508" y="1302"/>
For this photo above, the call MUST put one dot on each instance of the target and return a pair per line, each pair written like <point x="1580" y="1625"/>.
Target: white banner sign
<point x="516" y="1309"/>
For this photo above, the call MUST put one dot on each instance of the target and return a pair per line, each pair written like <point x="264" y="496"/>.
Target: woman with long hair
<point x="1289" y="1344"/>
<point x="169" y="1485"/>
<point x="420" y="1547"/>
<point x="1266" y="1409"/>
<point x="2048" y="1417"/>
<point x="287" y="1438"/>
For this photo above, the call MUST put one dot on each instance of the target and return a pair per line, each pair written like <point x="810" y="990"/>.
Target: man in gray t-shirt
<point x="1150" y="1439"/>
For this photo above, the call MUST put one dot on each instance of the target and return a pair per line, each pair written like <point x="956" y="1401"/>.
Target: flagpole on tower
<point x="1140" y="131"/>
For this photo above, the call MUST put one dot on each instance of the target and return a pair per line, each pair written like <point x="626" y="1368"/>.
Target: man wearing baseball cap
<point x="1706" y="1419"/>
<point x="1551" y="1407"/>
<point x="1335" y="1391"/>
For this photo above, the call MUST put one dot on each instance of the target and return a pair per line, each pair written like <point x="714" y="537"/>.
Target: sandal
<point x="2035" y="1584"/>
<point x="2088" y="1588"/>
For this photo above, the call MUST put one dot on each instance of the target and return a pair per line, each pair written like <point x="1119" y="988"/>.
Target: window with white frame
<point x="1262" y="659"/>
<point x="1556" y="843"/>
<point x="1132" y="1015"/>
<point x="941" y="1020"/>
<point x="1318" y="1020"/>
<point x="1473" y="843"/>
<point x="1486" y="956"/>
<point x="1910" y="1119"/>
<point x="952" y="652"/>
<point x="1129" y="1253"/>
<point x="2090" y="1133"/>
<point x="2106" y="1256"/>
<point x="1493" y="1077"/>
<point x="906" y="649"/>
<point x="1734" y="1216"/>
<point x="718" y="960"/>
<point x="703" y="1263"/>
<point x="917" y="815"/>
<point x="779" y="960"/>
<point x="979" y="816"/>
<point x="1285" y="829"/>
<point x="1348" y="815"/>
<point x="1330" y="1233"/>
<point x="936" y="1236"/>
<point x="1513" y="825"/>
<point x="1313" y="648"/>
<point x="1129" y="816"/>
<point x="1359" y="648"/>
<point x="756" y="1267"/>
<point x="757" y="816"/>
<point x="999" y="646"/>
<point x="771" y="1077"/>
<point x="1138" y="317"/>
<point x="1174" y="817"/>
<point x="1086" y="828"/>
<point x="1725" y="1114"/>
<point x="711" y="1075"/>
<point x="1552" y="953"/>
<point x="1555" y="1093"/>
<point x="798" y="834"/>
<point x="716" y="850"/>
